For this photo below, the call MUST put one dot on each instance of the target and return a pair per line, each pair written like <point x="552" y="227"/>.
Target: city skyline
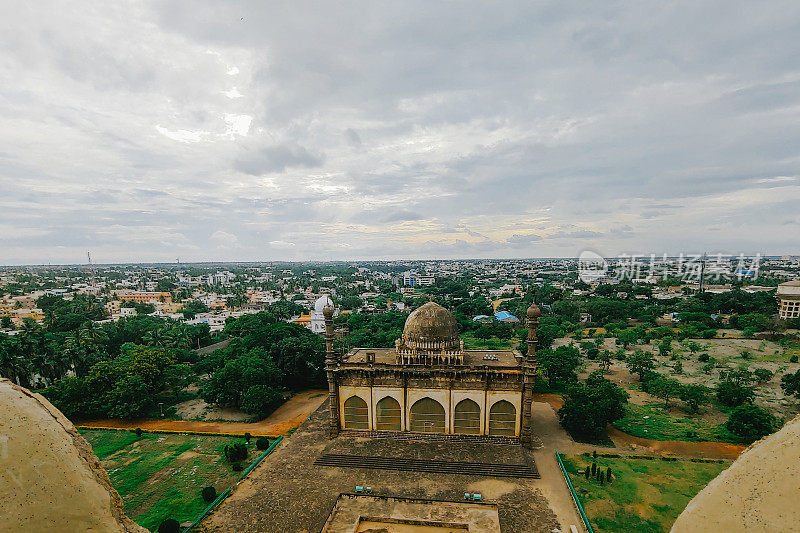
<point x="241" y="132"/>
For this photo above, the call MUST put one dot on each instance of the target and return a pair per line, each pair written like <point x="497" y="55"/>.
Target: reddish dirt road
<point x="705" y="449"/>
<point x="629" y="443"/>
<point x="287" y="417"/>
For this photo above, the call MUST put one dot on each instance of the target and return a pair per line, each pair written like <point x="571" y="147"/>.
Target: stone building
<point x="789" y="298"/>
<point x="429" y="384"/>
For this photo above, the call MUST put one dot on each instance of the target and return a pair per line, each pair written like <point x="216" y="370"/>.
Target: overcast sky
<point x="264" y="131"/>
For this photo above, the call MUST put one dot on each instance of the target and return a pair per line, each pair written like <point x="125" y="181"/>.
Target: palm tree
<point x="95" y="336"/>
<point x="12" y="364"/>
<point x="156" y="337"/>
<point x="49" y="317"/>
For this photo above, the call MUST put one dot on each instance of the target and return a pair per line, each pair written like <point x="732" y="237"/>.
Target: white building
<point x="412" y="279"/>
<point x="317" y="322"/>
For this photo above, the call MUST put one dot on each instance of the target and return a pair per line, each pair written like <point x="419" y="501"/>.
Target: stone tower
<point x="330" y="366"/>
<point x="530" y="368"/>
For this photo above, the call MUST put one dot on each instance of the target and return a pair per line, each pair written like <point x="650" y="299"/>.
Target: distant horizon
<point x="344" y="261"/>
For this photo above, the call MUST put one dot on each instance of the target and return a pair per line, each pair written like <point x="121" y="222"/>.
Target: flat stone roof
<point x="360" y="513"/>
<point x="287" y="492"/>
<point x="473" y="358"/>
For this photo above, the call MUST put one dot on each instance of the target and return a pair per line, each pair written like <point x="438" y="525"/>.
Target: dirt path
<point x="629" y="444"/>
<point x="287" y="417"/>
<point x="704" y="449"/>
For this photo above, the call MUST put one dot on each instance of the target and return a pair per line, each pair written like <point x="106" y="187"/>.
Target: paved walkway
<point x="553" y="438"/>
<point x="286" y="418"/>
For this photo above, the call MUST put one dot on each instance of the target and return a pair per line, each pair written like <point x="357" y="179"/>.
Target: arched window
<point x="467" y="418"/>
<point x="427" y="416"/>
<point x="356" y="413"/>
<point x="502" y="419"/>
<point x="387" y="414"/>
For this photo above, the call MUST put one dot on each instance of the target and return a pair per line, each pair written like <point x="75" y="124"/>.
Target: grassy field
<point x="644" y="496"/>
<point x="473" y="343"/>
<point x="160" y="476"/>
<point x="652" y="422"/>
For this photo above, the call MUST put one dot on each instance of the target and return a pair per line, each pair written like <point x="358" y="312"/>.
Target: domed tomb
<point x="50" y="478"/>
<point x="430" y="337"/>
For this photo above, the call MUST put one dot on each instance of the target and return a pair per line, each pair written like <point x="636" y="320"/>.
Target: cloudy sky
<point x="262" y="131"/>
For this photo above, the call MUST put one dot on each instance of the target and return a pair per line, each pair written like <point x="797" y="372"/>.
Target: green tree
<point x="693" y="346"/>
<point x="261" y="400"/>
<point x="750" y="422"/>
<point x="124" y="387"/>
<point x="350" y="302"/>
<point x="192" y="308"/>
<point x="177" y="377"/>
<point x="694" y="395"/>
<point x="627" y="337"/>
<point x="235" y="452"/>
<point x="665" y="346"/>
<point x="640" y="362"/>
<point x="559" y="365"/>
<point x="734" y="394"/>
<point x="590" y="406"/>
<point x="604" y="359"/>
<point x="228" y="385"/>
<point x="13" y="364"/>
<point x="763" y="375"/>
<point x="790" y="383"/>
<point x="129" y="398"/>
<point x="665" y="388"/>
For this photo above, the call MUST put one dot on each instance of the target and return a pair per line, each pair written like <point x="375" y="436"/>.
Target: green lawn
<point x="644" y="496"/>
<point x="473" y="343"/>
<point x="160" y="476"/>
<point x="653" y="422"/>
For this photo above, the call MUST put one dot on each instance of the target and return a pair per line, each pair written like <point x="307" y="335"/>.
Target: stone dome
<point x="52" y="480"/>
<point x="534" y="311"/>
<point x="757" y="493"/>
<point x="430" y="337"/>
<point x="430" y="323"/>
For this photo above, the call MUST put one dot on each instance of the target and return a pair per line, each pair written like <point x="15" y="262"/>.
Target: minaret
<point x="330" y="366"/>
<point x="529" y="367"/>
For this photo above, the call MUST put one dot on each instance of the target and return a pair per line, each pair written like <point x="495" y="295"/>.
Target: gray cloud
<point x="353" y="138"/>
<point x="402" y="216"/>
<point x="523" y="240"/>
<point x="397" y="130"/>
<point x="276" y="159"/>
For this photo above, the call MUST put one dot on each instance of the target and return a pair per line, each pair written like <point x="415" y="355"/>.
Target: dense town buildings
<point x="227" y="290"/>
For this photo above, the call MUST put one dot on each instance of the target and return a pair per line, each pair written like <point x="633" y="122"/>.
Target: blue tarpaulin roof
<point x="504" y="315"/>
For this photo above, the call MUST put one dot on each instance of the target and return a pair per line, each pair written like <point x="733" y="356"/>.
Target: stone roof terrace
<point x="472" y="358"/>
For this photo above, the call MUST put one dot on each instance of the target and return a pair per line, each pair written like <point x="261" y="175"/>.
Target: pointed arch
<point x="387" y="415"/>
<point x="467" y="418"/>
<point x="502" y="419"/>
<point x="356" y="413"/>
<point x="427" y="416"/>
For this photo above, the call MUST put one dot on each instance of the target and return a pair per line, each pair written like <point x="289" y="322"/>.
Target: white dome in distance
<point x="322" y="302"/>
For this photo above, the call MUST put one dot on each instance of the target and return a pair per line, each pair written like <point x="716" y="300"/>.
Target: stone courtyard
<point x="288" y="492"/>
<point x="366" y="514"/>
